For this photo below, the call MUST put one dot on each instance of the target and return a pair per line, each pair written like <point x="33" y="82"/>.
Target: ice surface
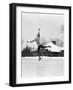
<point x="47" y="66"/>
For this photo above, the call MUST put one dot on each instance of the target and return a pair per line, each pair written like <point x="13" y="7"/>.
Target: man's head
<point x="39" y="29"/>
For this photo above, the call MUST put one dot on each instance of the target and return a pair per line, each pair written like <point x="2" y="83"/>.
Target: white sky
<point x="49" y="25"/>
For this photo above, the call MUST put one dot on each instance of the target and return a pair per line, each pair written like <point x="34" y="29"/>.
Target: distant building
<point x="54" y="42"/>
<point x="58" y="42"/>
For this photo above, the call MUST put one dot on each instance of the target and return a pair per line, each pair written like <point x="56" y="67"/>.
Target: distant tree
<point x="26" y="52"/>
<point x="62" y="28"/>
<point x="60" y="38"/>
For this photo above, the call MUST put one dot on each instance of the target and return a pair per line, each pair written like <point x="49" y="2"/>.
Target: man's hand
<point x="28" y="41"/>
<point x="31" y="41"/>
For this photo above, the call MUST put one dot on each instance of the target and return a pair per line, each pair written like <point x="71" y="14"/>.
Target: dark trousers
<point x="39" y="47"/>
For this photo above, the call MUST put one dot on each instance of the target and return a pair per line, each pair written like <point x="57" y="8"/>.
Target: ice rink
<point x="47" y="66"/>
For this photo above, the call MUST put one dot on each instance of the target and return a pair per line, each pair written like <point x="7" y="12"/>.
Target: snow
<point x="54" y="47"/>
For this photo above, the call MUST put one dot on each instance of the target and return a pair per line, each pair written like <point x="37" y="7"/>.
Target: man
<point x="37" y="39"/>
<point x="39" y="43"/>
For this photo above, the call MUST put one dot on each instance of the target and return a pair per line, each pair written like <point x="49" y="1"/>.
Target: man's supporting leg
<point x="39" y="53"/>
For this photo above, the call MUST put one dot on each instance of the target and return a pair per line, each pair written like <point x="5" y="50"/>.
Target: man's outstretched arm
<point x="31" y="41"/>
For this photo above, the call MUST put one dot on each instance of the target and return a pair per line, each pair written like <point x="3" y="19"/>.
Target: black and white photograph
<point x="40" y="41"/>
<point x="42" y="44"/>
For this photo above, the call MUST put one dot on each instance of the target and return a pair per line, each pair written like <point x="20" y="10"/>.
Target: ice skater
<point x="39" y="44"/>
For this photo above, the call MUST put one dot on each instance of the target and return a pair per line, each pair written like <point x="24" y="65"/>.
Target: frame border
<point x="12" y="43"/>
